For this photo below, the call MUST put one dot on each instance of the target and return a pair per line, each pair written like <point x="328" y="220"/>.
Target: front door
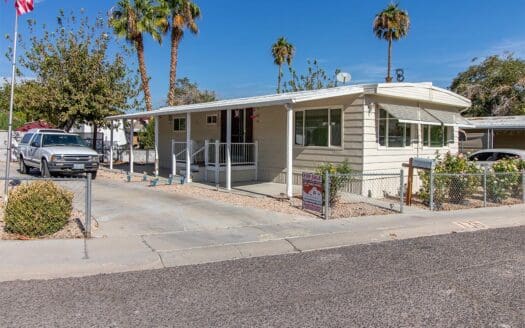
<point x="241" y="123"/>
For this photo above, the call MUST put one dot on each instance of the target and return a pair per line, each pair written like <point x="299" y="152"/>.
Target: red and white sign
<point x="312" y="192"/>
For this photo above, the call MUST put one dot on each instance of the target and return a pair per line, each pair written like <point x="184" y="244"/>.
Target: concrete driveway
<point x="131" y="209"/>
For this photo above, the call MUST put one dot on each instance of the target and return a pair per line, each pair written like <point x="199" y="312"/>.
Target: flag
<point x="24" y="6"/>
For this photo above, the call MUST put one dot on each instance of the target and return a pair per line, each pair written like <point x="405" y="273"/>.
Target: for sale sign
<point x="312" y="192"/>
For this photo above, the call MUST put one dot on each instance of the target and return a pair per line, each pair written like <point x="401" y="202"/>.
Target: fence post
<point x="401" y="189"/>
<point x="327" y="196"/>
<point x="217" y="162"/>
<point x="485" y="187"/>
<point x="256" y="159"/>
<point x="523" y="186"/>
<point x="88" y="206"/>
<point x="431" y="200"/>
<point x="206" y="159"/>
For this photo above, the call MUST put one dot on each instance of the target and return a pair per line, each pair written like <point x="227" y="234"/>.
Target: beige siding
<point x="270" y="131"/>
<point x="200" y="131"/>
<point x="382" y="159"/>
<point x="421" y="93"/>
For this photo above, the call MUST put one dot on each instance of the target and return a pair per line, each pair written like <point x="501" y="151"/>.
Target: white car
<point x="54" y="152"/>
<point x="487" y="157"/>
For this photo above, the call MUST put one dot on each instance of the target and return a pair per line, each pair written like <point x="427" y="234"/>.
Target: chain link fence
<point x="360" y="194"/>
<point x="80" y="187"/>
<point x="447" y="191"/>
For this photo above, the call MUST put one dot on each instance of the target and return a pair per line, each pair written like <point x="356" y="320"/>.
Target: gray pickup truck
<point x="56" y="152"/>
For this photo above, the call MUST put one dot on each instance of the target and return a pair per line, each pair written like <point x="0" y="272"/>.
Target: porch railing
<point x="242" y="153"/>
<point x="214" y="154"/>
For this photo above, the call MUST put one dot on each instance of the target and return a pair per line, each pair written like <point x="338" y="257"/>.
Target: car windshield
<point x="51" y="140"/>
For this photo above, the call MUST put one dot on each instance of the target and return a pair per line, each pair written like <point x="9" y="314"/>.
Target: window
<point x="433" y="136"/>
<point x="179" y="124"/>
<point x="392" y="133"/>
<point x="50" y="140"/>
<point x="450" y="135"/>
<point x="211" y="119"/>
<point x="26" y="138"/>
<point x="37" y="139"/>
<point x="318" y="127"/>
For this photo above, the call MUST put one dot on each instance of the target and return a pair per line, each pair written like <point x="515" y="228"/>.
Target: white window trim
<point x="386" y="147"/>
<point x="173" y="123"/>
<point x="212" y="115"/>
<point x="328" y="108"/>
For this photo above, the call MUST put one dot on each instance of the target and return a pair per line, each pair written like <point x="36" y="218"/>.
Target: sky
<point x="231" y="54"/>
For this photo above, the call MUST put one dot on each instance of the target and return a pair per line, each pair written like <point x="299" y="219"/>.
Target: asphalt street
<point x="474" y="279"/>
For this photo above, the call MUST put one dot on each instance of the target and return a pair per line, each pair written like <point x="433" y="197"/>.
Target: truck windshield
<point x="51" y="140"/>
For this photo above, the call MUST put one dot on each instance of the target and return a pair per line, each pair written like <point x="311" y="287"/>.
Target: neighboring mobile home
<point x="375" y="127"/>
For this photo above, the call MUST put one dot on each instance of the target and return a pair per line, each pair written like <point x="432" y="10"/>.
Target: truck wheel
<point x="45" y="169"/>
<point x="24" y="169"/>
<point x="93" y="175"/>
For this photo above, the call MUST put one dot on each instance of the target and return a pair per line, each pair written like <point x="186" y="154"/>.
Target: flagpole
<point x="11" y="104"/>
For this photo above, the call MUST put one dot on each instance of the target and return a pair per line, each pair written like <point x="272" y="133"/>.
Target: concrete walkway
<point x="144" y="228"/>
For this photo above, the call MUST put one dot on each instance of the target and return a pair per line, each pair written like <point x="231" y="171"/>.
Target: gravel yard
<point x="292" y="207"/>
<point x="72" y="230"/>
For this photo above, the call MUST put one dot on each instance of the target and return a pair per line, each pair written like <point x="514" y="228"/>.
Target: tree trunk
<point x="388" y="77"/>
<point x="279" y="79"/>
<point x="176" y="36"/>
<point x="143" y="73"/>
<point x="95" y="129"/>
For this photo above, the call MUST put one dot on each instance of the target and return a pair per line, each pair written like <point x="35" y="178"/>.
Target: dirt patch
<point x="72" y="230"/>
<point x="345" y="210"/>
<point x="466" y="204"/>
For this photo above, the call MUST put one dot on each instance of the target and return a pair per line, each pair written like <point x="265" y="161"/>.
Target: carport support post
<point x="111" y="146"/>
<point x="228" y="149"/>
<point x="217" y="161"/>
<point x="157" y="146"/>
<point x="188" y="147"/>
<point x="131" y="159"/>
<point x="289" y="150"/>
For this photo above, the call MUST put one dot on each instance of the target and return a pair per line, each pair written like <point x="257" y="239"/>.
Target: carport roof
<point x="399" y="90"/>
<point x="498" y="122"/>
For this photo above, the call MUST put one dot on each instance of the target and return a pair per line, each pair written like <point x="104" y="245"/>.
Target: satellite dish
<point x="343" y="77"/>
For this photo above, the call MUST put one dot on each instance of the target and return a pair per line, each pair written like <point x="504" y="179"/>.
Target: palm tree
<point x="282" y="52"/>
<point x="131" y="20"/>
<point x="391" y="24"/>
<point x="183" y="15"/>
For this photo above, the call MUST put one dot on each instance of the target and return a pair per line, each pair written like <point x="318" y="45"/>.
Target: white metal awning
<point x="449" y="118"/>
<point x="410" y="114"/>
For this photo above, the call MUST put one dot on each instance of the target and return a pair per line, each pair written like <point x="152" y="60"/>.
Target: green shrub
<point x="504" y="179"/>
<point x="37" y="209"/>
<point x="454" y="188"/>
<point x="340" y="176"/>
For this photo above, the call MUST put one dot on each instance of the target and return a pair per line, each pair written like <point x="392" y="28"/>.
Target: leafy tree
<point x="186" y="93"/>
<point x="131" y="20"/>
<point x="182" y="15"/>
<point x="76" y="80"/>
<point x="391" y="24"/>
<point x="314" y="78"/>
<point x="496" y="86"/>
<point x="282" y="51"/>
<point x="147" y="136"/>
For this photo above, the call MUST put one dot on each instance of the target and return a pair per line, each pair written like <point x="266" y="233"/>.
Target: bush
<point x="454" y="188"/>
<point x="340" y="176"/>
<point x="504" y="179"/>
<point x="37" y="209"/>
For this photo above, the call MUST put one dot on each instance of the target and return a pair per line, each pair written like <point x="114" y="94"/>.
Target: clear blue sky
<point x="231" y="54"/>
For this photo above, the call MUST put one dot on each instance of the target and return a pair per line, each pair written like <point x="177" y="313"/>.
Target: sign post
<point x="312" y="192"/>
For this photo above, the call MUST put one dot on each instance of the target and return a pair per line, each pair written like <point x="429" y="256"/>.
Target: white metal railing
<point x="242" y="153"/>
